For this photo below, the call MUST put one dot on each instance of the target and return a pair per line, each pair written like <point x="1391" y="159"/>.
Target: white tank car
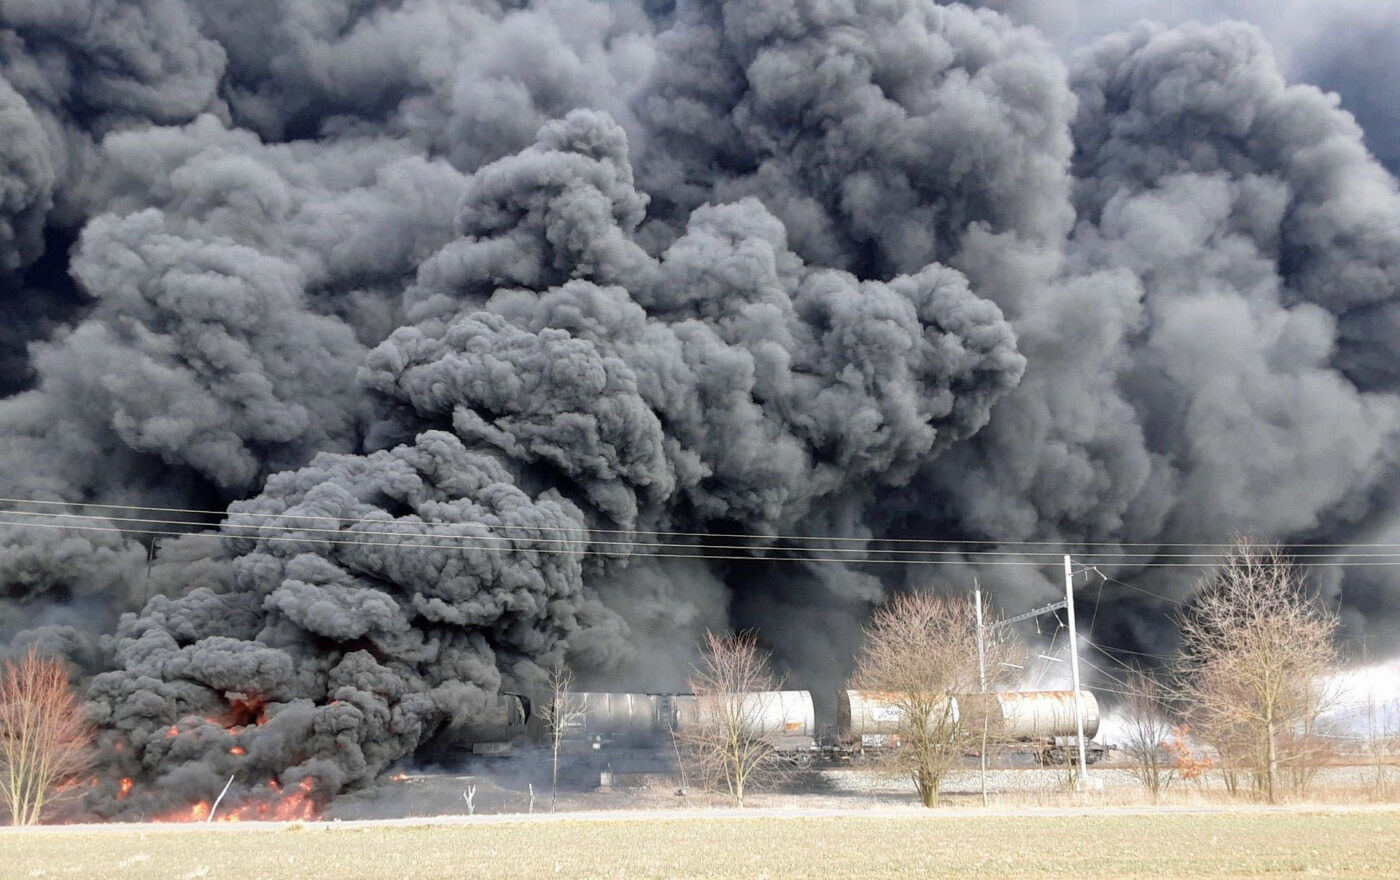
<point x="769" y="715"/>
<point x="785" y="719"/>
<point x="1030" y="715"/>
<point x="873" y="717"/>
<point x="1043" y="722"/>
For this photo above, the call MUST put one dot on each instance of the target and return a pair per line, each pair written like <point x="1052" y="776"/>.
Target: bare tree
<point x="920" y="653"/>
<point x="561" y="711"/>
<point x="734" y="689"/>
<point x="1382" y="744"/>
<point x="1257" y="653"/>
<point x="1149" y="732"/>
<point x="45" y="740"/>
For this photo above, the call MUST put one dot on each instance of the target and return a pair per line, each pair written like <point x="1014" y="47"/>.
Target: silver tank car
<point x="773" y="715"/>
<point x="647" y="720"/>
<point x="1026" y="716"/>
<point x="873" y="716"/>
<point x="617" y="719"/>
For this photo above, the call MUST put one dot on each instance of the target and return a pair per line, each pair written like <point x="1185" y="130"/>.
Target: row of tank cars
<point x="621" y="726"/>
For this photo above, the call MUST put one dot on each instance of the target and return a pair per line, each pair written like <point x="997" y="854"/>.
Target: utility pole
<point x="982" y="685"/>
<point x="1068" y="605"/>
<point x="1074" y="668"/>
<point x="150" y="561"/>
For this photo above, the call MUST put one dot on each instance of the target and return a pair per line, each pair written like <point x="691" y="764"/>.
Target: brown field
<point x="1244" y="843"/>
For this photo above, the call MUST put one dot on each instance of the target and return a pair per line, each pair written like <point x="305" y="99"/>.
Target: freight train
<point x="615" y="725"/>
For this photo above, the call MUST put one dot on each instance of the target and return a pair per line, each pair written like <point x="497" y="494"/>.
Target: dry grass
<point x="1248" y="844"/>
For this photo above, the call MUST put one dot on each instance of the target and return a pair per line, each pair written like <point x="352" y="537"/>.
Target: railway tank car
<point x="871" y="719"/>
<point x="618" y="720"/>
<point x="786" y="720"/>
<point x="1041" y="721"/>
<point x="619" y="725"/>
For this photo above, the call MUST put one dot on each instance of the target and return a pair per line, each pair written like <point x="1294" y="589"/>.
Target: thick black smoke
<point x="457" y="309"/>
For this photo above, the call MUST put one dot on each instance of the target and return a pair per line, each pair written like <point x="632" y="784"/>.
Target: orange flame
<point x="125" y="790"/>
<point x="248" y="708"/>
<point x="173" y="731"/>
<point x="238" y="750"/>
<point x="297" y="804"/>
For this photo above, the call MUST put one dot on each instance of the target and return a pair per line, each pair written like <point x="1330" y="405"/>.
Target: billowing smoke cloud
<point x="1234" y="258"/>
<point x="28" y="182"/>
<point x="1261" y="246"/>
<point x="864" y="129"/>
<point x="1342" y="46"/>
<point x="485" y="323"/>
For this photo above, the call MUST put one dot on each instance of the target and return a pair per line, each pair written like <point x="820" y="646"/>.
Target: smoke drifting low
<point x="454" y="307"/>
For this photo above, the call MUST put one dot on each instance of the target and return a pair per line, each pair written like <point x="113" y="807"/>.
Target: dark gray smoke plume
<point x="1342" y="46"/>
<point x="479" y="326"/>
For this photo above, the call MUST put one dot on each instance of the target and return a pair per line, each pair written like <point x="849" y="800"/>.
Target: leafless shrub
<point x="1382" y="747"/>
<point x="45" y="740"/>
<point x="1148" y="740"/>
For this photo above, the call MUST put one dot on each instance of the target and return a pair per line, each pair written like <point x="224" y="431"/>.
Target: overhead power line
<point x="1129" y="586"/>
<point x="960" y="542"/>
<point x="462" y="545"/>
<point x="536" y="539"/>
<point x="974" y="555"/>
<point x="232" y="530"/>
<point x="580" y="547"/>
